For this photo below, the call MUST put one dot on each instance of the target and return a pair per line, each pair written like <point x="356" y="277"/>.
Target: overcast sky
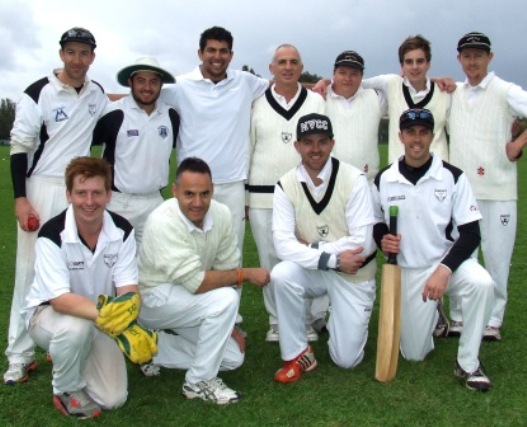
<point x="170" y="29"/>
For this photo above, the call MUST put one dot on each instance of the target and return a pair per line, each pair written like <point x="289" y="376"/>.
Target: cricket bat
<point x="389" y="314"/>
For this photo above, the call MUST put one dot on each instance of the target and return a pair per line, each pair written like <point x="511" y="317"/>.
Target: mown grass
<point x="422" y="394"/>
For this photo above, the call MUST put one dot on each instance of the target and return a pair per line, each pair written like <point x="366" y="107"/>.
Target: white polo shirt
<point x="138" y="145"/>
<point x="65" y="265"/>
<point x="54" y="124"/>
<point x="215" y="120"/>
<point x="441" y="199"/>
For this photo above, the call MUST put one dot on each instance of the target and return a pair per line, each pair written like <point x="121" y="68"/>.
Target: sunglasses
<point x="416" y="114"/>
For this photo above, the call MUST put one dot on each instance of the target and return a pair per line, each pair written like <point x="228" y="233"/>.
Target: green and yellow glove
<point x="117" y="313"/>
<point x="137" y="343"/>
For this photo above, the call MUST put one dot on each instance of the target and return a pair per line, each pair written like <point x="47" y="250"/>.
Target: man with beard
<point x="139" y="133"/>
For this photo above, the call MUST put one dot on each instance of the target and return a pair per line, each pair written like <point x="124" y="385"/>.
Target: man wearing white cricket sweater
<point x="273" y="123"/>
<point x="482" y="112"/>
<point x="355" y="113"/>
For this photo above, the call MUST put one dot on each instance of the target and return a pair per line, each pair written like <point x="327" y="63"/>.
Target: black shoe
<point x="476" y="380"/>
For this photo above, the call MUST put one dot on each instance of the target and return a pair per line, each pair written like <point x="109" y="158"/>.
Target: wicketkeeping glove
<point x="137" y="343"/>
<point x="117" y="313"/>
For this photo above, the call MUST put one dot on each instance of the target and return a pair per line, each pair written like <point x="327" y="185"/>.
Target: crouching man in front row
<point x="322" y="230"/>
<point x="84" y="300"/>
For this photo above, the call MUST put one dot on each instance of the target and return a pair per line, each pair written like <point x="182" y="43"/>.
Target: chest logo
<point x="481" y="171"/>
<point x="75" y="265"/>
<point x="163" y="131"/>
<point x="440" y="194"/>
<point x="110" y="259"/>
<point x="323" y="231"/>
<point x="92" y="108"/>
<point x="505" y="219"/>
<point x="60" y="114"/>
<point x="287" y="137"/>
<point x="132" y="132"/>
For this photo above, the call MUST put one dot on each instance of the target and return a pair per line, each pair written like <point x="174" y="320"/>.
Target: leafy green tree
<point x="250" y="70"/>
<point x="307" y="77"/>
<point x="7" y="117"/>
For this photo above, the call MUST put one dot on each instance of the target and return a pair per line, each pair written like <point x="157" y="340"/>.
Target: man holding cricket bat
<point x="438" y="225"/>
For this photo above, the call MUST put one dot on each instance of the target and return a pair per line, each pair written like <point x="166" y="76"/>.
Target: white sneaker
<point x="456" y="327"/>
<point x="150" y="370"/>
<point x="213" y="390"/>
<point x="311" y="334"/>
<point x="272" y="334"/>
<point x="491" y="333"/>
<point x="19" y="372"/>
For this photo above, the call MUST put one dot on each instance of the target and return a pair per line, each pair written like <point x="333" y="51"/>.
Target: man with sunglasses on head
<point x="432" y="196"/>
<point x="54" y="122"/>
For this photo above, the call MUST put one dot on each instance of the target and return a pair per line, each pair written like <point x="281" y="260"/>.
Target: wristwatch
<point x="337" y="265"/>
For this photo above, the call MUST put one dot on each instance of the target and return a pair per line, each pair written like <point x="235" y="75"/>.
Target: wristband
<point x="337" y="264"/>
<point x="239" y="271"/>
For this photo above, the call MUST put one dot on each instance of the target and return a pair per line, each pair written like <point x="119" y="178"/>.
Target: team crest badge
<point x="110" y="259"/>
<point x="440" y="194"/>
<point x="287" y="137"/>
<point x="505" y="219"/>
<point x="92" y="108"/>
<point x="60" y="114"/>
<point x="323" y="231"/>
<point x="163" y="131"/>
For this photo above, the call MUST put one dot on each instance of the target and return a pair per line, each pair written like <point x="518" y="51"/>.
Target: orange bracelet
<point x="240" y="276"/>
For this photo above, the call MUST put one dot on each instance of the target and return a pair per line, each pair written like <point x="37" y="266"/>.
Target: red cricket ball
<point x="32" y="223"/>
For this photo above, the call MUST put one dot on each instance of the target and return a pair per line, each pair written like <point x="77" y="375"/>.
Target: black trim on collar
<point x="286" y="114"/>
<point x="423" y="102"/>
<point x="320" y="206"/>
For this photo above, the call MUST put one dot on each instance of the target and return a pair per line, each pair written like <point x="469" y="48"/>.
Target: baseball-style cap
<point x="79" y="35"/>
<point x="350" y="58"/>
<point x="416" y="117"/>
<point x="145" y="63"/>
<point x="474" y="40"/>
<point x="313" y="123"/>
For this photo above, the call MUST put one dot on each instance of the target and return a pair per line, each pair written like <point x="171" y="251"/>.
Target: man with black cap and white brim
<point x="54" y="121"/>
<point x="139" y="132"/>
<point x="355" y="113"/>
<point x="431" y="195"/>
<point x="323" y="231"/>
<point x="483" y="110"/>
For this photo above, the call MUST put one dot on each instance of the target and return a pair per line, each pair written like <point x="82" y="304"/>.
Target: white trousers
<point x="135" y="208"/>
<point x="498" y="234"/>
<point x="233" y="196"/>
<point x="261" y="221"/>
<point x="203" y="322"/>
<point x="472" y="285"/>
<point x="82" y="355"/>
<point x="351" y="307"/>
<point x="48" y="197"/>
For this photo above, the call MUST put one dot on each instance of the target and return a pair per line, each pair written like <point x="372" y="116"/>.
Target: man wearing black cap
<point x="483" y="110"/>
<point x="431" y="195"/>
<point x="273" y="122"/>
<point x="54" y="121"/>
<point x="139" y="133"/>
<point x="322" y="230"/>
<point x="355" y="113"/>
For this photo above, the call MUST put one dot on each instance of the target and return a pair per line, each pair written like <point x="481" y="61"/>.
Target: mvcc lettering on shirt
<point x="314" y="124"/>
<point x="400" y="197"/>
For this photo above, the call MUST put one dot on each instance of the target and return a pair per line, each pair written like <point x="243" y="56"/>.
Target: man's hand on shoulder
<point x="445" y="84"/>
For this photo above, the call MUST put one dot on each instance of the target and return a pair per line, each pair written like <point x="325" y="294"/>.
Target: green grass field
<point x="422" y="394"/>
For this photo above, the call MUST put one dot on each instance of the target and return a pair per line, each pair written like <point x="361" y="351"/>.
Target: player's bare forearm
<point x="75" y="305"/>
<point x="218" y="279"/>
<point x="515" y="148"/>
<point x="436" y="284"/>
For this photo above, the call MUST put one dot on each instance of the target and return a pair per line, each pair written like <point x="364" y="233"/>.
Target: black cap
<point x="78" y="35"/>
<point x="313" y="123"/>
<point x="350" y="58"/>
<point x="416" y="117"/>
<point x="474" y="40"/>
